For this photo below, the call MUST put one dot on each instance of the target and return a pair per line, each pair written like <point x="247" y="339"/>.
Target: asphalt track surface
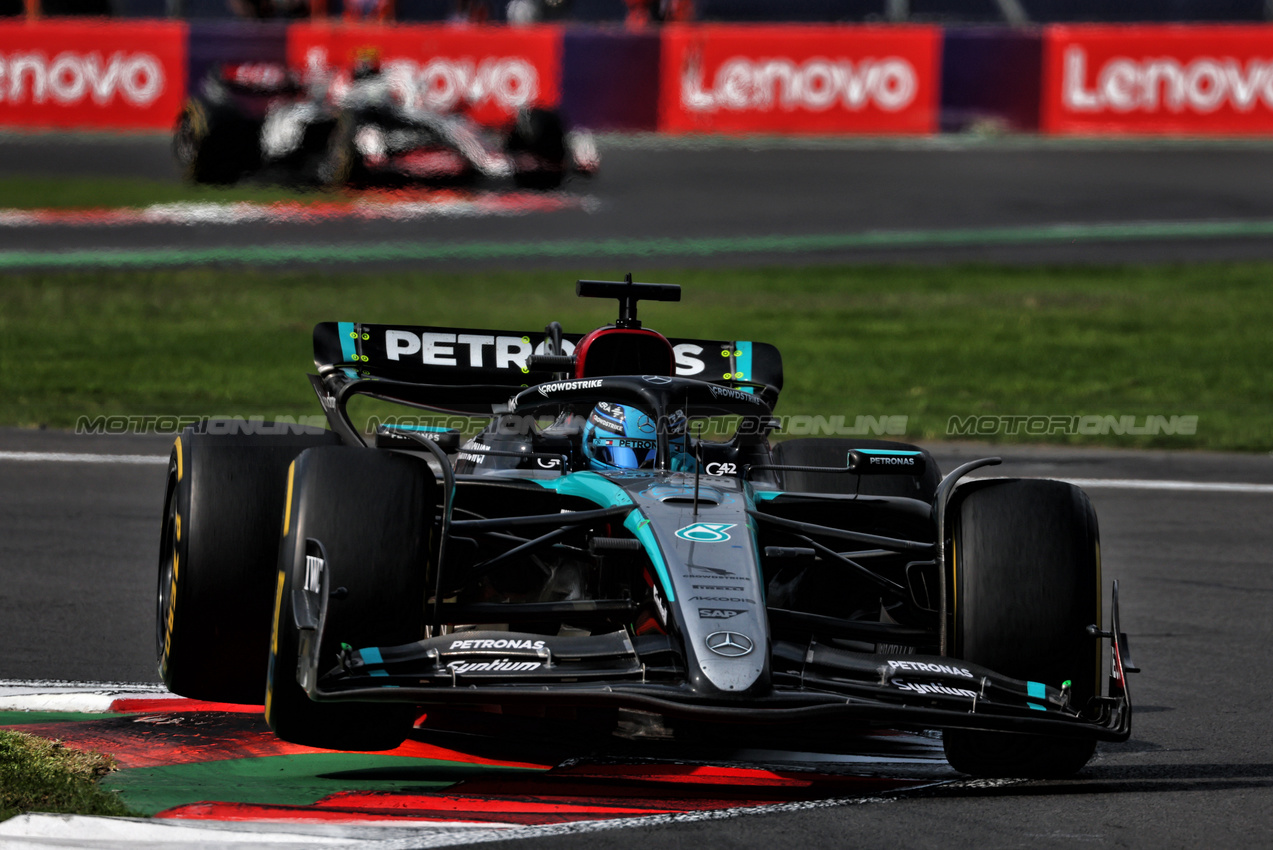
<point x="660" y="203"/>
<point x="78" y="540"/>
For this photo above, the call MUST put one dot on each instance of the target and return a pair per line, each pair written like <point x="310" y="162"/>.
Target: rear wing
<point x="464" y="356"/>
<point x="477" y="371"/>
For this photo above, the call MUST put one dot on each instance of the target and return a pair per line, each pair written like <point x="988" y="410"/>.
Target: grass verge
<point x="933" y="345"/>
<point x="45" y="776"/>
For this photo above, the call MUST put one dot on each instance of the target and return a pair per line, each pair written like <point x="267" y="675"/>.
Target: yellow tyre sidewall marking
<point x="278" y="607"/>
<point x="170" y="618"/>
<point x="287" y="501"/>
<point x="278" y="592"/>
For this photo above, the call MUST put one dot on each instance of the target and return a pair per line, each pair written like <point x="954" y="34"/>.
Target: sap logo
<point x="706" y="532"/>
<point x="718" y="613"/>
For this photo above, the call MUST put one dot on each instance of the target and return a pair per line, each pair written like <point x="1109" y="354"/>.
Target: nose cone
<point x="712" y="563"/>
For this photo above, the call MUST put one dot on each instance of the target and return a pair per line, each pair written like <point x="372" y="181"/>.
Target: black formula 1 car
<point x="595" y="550"/>
<point x="261" y="120"/>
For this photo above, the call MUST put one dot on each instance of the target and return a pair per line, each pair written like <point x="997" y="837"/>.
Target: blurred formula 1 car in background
<point x="262" y="120"/>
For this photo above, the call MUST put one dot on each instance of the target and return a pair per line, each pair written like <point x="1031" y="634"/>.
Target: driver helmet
<point x="366" y="63"/>
<point x="619" y="436"/>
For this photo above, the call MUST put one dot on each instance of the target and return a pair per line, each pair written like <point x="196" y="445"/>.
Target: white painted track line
<point x="1185" y="486"/>
<point x="70" y="457"/>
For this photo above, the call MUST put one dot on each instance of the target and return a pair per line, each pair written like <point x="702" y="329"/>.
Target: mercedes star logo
<point x="729" y="644"/>
<point x="656" y="379"/>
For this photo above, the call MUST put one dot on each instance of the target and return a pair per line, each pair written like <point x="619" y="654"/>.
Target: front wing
<point x="810" y="680"/>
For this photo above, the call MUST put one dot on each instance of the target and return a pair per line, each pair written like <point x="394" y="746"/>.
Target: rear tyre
<point x="373" y="513"/>
<point x="223" y="511"/>
<point x="214" y="147"/>
<point x="834" y="452"/>
<point x="1025" y="581"/>
<point x="342" y="165"/>
<point x="538" y="147"/>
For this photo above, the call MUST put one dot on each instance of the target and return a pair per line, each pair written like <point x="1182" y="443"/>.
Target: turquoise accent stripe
<point x="588" y="485"/>
<point x="742" y="362"/>
<point x="766" y="495"/>
<point x="607" y="494"/>
<point x="1038" y="691"/>
<point x="886" y="452"/>
<point x="348" y="343"/>
<point x="640" y="528"/>
<point x="432" y="429"/>
<point x="371" y="657"/>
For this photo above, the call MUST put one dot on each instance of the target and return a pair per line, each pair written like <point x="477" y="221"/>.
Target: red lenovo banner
<point x="1158" y="79"/>
<point x="489" y="72"/>
<point x="92" y="75"/>
<point x="798" y="79"/>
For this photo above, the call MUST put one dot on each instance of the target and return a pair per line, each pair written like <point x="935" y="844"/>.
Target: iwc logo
<point x="729" y="644"/>
<point x="706" y="532"/>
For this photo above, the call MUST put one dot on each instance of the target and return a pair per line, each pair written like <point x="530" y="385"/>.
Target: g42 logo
<point x="706" y="532"/>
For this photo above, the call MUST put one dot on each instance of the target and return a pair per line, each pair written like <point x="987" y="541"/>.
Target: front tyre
<point x="372" y="511"/>
<point x="223" y="509"/>
<point x="1025" y="583"/>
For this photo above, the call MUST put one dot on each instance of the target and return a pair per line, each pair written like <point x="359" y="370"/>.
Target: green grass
<point x="37" y="775"/>
<point x="925" y="343"/>
<point x="90" y="192"/>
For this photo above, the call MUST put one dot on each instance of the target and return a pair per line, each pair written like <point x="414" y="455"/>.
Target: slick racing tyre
<point x="342" y="166"/>
<point x="214" y="146"/>
<point x="834" y="452"/>
<point x="538" y="148"/>
<point x="223" y="511"/>
<point x="371" y="512"/>
<point x="1025" y="584"/>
